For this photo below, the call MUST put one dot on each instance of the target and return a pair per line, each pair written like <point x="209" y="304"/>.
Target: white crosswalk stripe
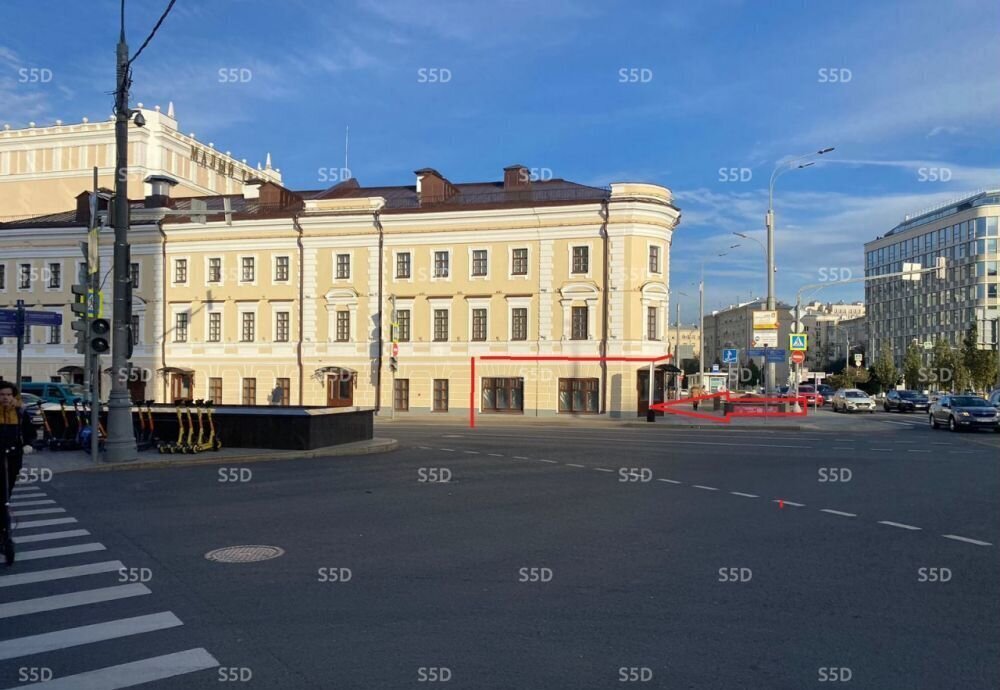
<point x="58" y="638"/>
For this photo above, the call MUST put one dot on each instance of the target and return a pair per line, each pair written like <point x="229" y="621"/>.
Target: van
<point x="55" y="392"/>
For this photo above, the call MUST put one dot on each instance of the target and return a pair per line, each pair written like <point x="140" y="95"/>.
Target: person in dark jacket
<point x="16" y="433"/>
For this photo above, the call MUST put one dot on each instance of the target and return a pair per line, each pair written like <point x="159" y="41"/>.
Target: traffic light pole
<point x="120" y="446"/>
<point x="93" y="358"/>
<point x="20" y="339"/>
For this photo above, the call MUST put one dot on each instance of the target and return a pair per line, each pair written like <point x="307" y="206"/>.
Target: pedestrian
<point x="277" y="395"/>
<point x="16" y="433"/>
<point x="696" y="392"/>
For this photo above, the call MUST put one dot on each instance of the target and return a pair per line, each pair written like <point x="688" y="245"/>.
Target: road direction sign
<point x="32" y="318"/>
<point x="730" y="356"/>
<point x="765" y="339"/>
<point x="8" y="330"/>
<point x="755" y="351"/>
<point x="775" y="355"/>
<point x="797" y="341"/>
<point x="798" y="356"/>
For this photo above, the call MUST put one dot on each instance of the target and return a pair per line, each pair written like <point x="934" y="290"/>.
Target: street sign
<point x="766" y="320"/>
<point x="755" y="352"/>
<point x="8" y="330"/>
<point x="928" y="345"/>
<point x="797" y="341"/>
<point x="730" y="356"/>
<point x="775" y="355"/>
<point x="765" y="339"/>
<point x="715" y="368"/>
<point x="798" y="356"/>
<point x="32" y="318"/>
<point x="857" y="360"/>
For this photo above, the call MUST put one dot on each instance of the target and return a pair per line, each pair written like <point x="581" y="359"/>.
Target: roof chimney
<point x="432" y="187"/>
<point x="83" y="204"/>
<point x="516" y="177"/>
<point x="159" y="197"/>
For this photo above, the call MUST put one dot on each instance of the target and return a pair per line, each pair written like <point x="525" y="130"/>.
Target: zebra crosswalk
<point x="43" y="594"/>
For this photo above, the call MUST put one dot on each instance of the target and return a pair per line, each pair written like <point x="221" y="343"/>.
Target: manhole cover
<point x="244" y="554"/>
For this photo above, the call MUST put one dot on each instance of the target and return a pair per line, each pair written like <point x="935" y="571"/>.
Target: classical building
<point x="43" y="168"/>
<point x="965" y="233"/>
<point x="272" y="292"/>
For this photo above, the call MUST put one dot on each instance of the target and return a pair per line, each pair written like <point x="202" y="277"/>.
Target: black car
<point x="906" y="401"/>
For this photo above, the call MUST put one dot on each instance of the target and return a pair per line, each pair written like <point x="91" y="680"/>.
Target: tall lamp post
<point x="780" y="169"/>
<point x="701" y="317"/>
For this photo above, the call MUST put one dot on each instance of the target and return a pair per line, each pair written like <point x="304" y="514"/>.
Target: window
<point x="403" y="324"/>
<point x="440" y="325"/>
<point x="215" y="390"/>
<point x="180" y="270"/>
<point x="248" y="273"/>
<point x="654" y="259"/>
<point x="249" y="391"/>
<point x="651" y="332"/>
<point x="55" y="276"/>
<point x="55" y="335"/>
<point x="135" y="329"/>
<point x="440" y="395"/>
<point x="284" y="386"/>
<point x="579" y="323"/>
<point x="440" y="264"/>
<point x="3" y="277"/>
<point x="133" y="272"/>
<point x="281" y="268"/>
<point x="478" y="262"/>
<point x="479" y="324"/>
<point x="215" y="270"/>
<point x="343" y="270"/>
<point x="519" y="262"/>
<point x="503" y="394"/>
<point x="214" y="327"/>
<point x="581" y="259"/>
<point x="249" y="323"/>
<point x="401" y="395"/>
<point x="24" y="277"/>
<point x="281" y="326"/>
<point x="181" y="327"/>
<point x="519" y="323"/>
<point x="579" y="395"/>
<point x="343" y="326"/>
<point x="403" y="265"/>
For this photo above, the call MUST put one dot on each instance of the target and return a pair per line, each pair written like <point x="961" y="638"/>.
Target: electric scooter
<point x="151" y="424"/>
<point x="174" y="446"/>
<point x="210" y="443"/>
<point x="189" y="444"/>
<point x="68" y="440"/>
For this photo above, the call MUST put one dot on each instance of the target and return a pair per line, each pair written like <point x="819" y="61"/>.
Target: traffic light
<point x="79" y="308"/>
<point x="392" y="364"/>
<point x="97" y="337"/>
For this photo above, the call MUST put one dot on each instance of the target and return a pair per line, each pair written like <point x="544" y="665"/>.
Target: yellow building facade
<point x="288" y="297"/>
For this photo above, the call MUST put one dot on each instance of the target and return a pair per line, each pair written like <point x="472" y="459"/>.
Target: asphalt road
<point x="827" y="574"/>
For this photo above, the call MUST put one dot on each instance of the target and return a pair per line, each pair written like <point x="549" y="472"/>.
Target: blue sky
<point x="734" y="84"/>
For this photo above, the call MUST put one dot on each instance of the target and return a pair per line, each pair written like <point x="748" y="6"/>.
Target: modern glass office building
<point x="965" y="232"/>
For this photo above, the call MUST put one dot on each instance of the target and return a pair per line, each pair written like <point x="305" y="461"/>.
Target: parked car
<point x="827" y="392"/>
<point x="906" y="401"/>
<point x="812" y="396"/>
<point x="963" y="412"/>
<point x="55" y="392"/>
<point x="994" y="398"/>
<point x="852" y="400"/>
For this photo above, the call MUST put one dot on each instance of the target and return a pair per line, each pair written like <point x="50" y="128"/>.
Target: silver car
<point x="852" y="400"/>
<point x="959" y="412"/>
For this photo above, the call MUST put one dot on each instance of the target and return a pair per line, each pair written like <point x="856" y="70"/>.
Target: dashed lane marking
<point x="495" y="455"/>
<point x="554" y="462"/>
<point x="521" y="457"/>
<point x="788" y="503"/>
<point x="835" y="512"/>
<point x="740" y="493"/>
<point x="897" y="524"/>
<point x="573" y="464"/>
<point x="447" y="450"/>
<point x="706" y="488"/>
<point x="966" y="540"/>
<point x="918" y="450"/>
<point x="669" y="481"/>
<point x="471" y="452"/>
<point x="603" y="469"/>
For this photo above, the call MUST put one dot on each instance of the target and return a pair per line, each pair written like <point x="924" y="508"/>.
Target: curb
<point x="378" y="445"/>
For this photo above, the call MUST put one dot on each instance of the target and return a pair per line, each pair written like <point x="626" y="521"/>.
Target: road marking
<point x="49" y="536"/>
<point x="603" y="469"/>
<point x="880" y="449"/>
<point x="35" y="554"/>
<point x="25" y="495"/>
<point x="960" y="452"/>
<point x="425" y="448"/>
<point x="966" y="540"/>
<point x="835" y="512"/>
<point x="887" y="421"/>
<point x="447" y="450"/>
<point x="452" y="436"/>
<point x="572" y="464"/>
<point x="44" y="523"/>
<point x="133" y="673"/>
<point x="917" y="450"/>
<point x="520" y="457"/>
<point x="554" y="462"/>
<point x="60" y="573"/>
<point x="740" y="493"/>
<point x="18" y="504"/>
<point x="86" y="634"/>
<point x="471" y="452"/>
<point x="706" y="488"/>
<point x="897" y="524"/>
<point x="38" y="511"/>
<point x="940" y="444"/>
<point x="496" y="455"/>
<point x="669" y="481"/>
<point x="65" y="601"/>
<point x="788" y="503"/>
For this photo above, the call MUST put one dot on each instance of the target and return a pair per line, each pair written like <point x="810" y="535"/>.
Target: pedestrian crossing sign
<point x="797" y="342"/>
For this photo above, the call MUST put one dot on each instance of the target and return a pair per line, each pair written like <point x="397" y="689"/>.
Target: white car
<point x="852" y="400"/>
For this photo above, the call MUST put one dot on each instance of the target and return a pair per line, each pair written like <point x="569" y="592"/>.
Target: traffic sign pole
<point x="20" y="340"/>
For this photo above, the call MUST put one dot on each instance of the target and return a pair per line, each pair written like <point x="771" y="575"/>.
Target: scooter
<point x="144" y="436"/>
<point x="68" y="440"/>
<point x="151" y="438"/>
<point x="84" y="436"/>
<point x="210" y="443"/>
<point x="189" y="444"/>
<point x="175" y="446"/>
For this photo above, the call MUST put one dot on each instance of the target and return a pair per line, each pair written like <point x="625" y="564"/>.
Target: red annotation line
<point x="753" y="406"/>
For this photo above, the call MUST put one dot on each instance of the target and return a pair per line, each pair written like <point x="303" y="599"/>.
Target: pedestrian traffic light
<point x="392" y="364"/>
<point x="79" y="324"/>
<point x="97" y="337"/>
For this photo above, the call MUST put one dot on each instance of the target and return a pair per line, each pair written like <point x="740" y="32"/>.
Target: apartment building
<point x="732" y="327"/>
<point x="823" y="323"/>
<point x="44" y="167"/>
<point x="965" y="233"/>
<point x="285" y="295"/>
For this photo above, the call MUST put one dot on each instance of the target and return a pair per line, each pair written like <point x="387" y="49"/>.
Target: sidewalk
<point x="78" y="461"/>
<point x="672" y="421"/>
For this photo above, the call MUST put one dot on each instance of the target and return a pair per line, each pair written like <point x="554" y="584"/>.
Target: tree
<point x="884" y="367"/>
<point x="753" y="374"/>
<point x="947" y="372"/>
<point x="981" y="365"/>
<point x="913" y="366"/>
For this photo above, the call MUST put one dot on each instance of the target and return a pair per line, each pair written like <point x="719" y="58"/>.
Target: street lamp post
<point x="781" y="168"/>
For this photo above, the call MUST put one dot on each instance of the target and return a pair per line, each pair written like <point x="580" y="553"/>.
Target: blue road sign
<point x="730" y="356"/>
<point x="8" y="330"/>
<point x="775" y="355"/>
<point x="32" y="318"/>
<point x="756" y="351"/>
<point x="8" y="315"/>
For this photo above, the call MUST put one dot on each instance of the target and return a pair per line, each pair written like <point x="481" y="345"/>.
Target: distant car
<point x="963" y="412"/>
<point x="906" y="401"/>
<point x="852" y="400"/>
<point x="994" y="398"/>
<point x="33" y="405"/>
<point x="53" y="392"/>
<point x="812" y="396"/>
<point x="827" y="391"/>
